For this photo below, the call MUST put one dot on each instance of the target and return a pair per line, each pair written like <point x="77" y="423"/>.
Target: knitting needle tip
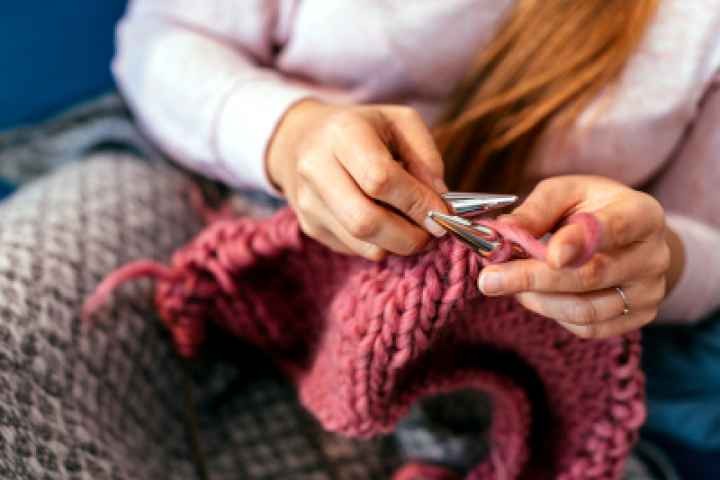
<point x="471" y="204"/>
<point x="482" y="239"/>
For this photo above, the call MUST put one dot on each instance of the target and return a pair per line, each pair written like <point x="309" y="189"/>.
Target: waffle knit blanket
<point x="362" y="341"/>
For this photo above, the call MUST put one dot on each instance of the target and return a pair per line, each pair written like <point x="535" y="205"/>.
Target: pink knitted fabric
<point x="362" y="341"/>
<point x="419" y="471"/>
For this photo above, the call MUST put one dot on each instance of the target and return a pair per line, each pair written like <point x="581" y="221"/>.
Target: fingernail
<point x="434" y="228"/>
<point x="490" y="283"/>
<point x="440" y="186"/>
<point x="566" y="254"/>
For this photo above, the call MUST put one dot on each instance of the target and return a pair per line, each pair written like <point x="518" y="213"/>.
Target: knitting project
<point x="362" y="341"/>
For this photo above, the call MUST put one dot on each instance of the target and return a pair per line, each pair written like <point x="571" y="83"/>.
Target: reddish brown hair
<point x="547" y="62"/>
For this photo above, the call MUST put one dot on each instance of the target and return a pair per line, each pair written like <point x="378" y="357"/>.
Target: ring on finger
<point x="627" y="306"/>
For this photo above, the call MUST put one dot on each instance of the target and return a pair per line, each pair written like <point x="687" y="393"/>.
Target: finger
<point x="313" y="218"/>
<point x="326" y="237"/>
<point x="338" y="238"/>
<point x="625" y="222"/>
<point x="359" y="247"/>
<point x="593" y="307"/>
<point x="416" y="146"/>
<point x="332" y="242"/>
<point x="604" y="270"/>
<point x="549" y="202"/>
<point x="614" y="327"/>
<point x="566" y="246"/>
<point x="620" y="223"/>
<point x="369" y="162"/>
<point x="360" y="217"/>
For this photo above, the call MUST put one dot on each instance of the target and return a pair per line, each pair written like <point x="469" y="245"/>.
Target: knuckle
<point x="662" y="262"/>
<point x="339" y="122"/>
<point x="363" y="224"/>
<point x="591" y="275"/>
<point x="526" y="280"/>
<point x="654" y="210"/>
<point x="305" y="166"/>
<point x="376" y="180"/>
<point x="417" y="207"/>
<point x="343" y="118"/>
<point x="583" y="313"/>
<point x="547" y="184"/>
<point x="409" y="114"/>
<point x="618" y="229"/>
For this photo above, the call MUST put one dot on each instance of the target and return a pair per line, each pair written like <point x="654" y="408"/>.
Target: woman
<point x="359" y="113"/>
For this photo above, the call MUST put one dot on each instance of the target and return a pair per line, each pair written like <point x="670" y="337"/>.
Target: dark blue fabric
<point x="53" y="54"/>
<point x="691" y="464"/>
<point x="682" y="365"/>
<point x="6" y="188"/>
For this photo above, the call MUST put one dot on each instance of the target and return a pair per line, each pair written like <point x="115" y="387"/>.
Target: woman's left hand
<point x="633" y="255"/>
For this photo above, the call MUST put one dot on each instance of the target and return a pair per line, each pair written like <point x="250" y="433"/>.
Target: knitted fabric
<point x="362" y="341"/>
<point x="415" y="471"/>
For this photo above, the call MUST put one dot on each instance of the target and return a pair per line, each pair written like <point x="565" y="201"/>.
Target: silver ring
<point x="626" y="304"/>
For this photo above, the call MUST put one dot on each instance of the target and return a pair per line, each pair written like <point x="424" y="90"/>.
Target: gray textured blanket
<point x="111" y="400"/>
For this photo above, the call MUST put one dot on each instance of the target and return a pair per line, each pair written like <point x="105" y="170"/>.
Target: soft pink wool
<point x="363" y="341"/>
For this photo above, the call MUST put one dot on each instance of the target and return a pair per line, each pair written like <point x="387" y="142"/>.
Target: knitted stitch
<point x="363" y="341"/>
<point x="419" y="471"/>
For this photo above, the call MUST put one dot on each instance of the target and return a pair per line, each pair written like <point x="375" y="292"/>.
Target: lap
<point x="80" y="400"/>
<point x="108" y="400"/>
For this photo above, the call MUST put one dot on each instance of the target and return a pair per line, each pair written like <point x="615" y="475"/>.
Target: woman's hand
<point x="361" y="179"/>
<point x="634" y="255"/>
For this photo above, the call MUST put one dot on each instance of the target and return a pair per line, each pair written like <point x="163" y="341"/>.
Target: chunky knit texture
<point x="363" y="341"/>
<point x="419" y="471"/>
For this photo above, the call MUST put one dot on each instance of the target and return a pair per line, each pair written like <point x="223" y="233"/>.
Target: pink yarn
<point x="420" y="471"/>
<point x="534" y="248"/>
<point x="363" y="341"/>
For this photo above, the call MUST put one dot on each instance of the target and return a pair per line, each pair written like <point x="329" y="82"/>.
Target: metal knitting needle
<point x="471" y="204"/>
<point x="481" y="239"/>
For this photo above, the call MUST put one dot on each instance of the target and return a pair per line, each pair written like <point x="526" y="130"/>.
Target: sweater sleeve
<point x="198" y="75"/>
<point x="688" y="189"/>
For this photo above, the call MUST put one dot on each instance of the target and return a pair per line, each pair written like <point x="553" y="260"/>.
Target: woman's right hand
<point x="361" y="179"/>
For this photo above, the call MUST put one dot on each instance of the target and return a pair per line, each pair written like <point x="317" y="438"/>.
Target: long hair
<point x="546" y="63"/>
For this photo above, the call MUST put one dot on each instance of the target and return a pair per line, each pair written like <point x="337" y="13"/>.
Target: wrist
<point x="291" y="129"/>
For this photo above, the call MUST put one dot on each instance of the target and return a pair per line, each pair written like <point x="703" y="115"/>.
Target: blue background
<point x="53" y="54"/>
